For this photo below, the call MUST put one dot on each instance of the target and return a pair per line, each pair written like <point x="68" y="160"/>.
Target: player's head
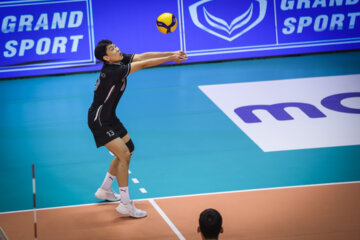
<point x="106" y="51"/>
<point x="210" y="224"/>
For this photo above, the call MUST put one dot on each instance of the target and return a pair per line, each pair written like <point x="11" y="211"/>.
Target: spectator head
<point x="210" y="224"/>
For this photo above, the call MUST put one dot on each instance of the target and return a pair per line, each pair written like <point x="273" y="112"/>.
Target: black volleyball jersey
<point x="109" y="88"/>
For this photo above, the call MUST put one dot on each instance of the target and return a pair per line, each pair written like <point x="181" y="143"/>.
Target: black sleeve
<point x="120" y="72"/>
<point x="127" y="58"/>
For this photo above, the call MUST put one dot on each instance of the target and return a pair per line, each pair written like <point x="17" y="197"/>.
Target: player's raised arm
<point x="151" y="62"/>
<point x="149" y="55"/>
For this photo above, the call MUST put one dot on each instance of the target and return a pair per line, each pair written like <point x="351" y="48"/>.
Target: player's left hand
<point x="181" y="53"/>
<point x="179" y="58"/>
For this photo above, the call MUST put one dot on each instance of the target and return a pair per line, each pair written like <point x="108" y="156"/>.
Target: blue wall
<point x="50" y="37"/>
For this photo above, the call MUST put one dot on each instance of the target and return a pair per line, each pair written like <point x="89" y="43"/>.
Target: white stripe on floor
<point x="167" y="220"/>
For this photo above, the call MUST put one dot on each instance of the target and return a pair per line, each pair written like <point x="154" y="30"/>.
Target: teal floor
<point x="184" y="143"/>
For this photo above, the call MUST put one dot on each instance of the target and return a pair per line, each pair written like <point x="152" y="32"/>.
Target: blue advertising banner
<point x="228" y="26"/>
<point x="40" y="37"/>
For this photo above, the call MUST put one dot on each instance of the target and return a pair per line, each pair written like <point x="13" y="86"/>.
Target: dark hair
<point x="210" y="222"/>
<point x="100" y="50"/>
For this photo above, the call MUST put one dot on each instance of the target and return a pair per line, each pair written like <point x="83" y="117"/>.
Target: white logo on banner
<point x="293" y="114"/>
<point x="214" y="23"/>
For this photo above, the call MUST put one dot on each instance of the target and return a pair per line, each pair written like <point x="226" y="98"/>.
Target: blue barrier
<point x="58" y="36"/>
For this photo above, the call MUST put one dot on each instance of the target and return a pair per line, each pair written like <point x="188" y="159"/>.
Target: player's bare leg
<point x="121" y="151"/>
<point x="104" y="192"/>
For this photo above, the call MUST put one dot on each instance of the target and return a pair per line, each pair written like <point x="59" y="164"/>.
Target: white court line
<point x="135" y="180"/>
<point x="2" y="234"/>
<point x="192" y="195"/>
<point x="167" y="220"/>
<point x="142" y="190"/>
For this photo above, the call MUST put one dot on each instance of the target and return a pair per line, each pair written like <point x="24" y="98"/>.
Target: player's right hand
<point x="179" y="57"/>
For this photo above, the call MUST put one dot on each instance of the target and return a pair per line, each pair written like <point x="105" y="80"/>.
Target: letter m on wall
<point x="277" y="111"/>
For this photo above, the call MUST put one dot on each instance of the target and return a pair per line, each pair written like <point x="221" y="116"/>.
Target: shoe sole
<point x="105" y="199"/>
<point x="129" y="215"/>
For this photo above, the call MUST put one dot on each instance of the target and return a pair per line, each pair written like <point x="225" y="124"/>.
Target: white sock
<point x="107" y="181"/>
<point x="124" y="195"/>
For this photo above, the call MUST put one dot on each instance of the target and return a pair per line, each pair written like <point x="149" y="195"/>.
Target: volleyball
<point x="166" y="23"/>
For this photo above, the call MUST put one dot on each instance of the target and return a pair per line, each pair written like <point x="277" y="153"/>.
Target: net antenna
<point x="34" y="202"/>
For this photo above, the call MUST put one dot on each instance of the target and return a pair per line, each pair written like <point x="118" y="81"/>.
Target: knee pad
<point x="130" y="145"/>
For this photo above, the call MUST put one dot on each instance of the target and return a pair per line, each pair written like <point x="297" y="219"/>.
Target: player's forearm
<point x="178" y="57"/>
<point x="149" y="55"/>
<point x="151" y="62"/>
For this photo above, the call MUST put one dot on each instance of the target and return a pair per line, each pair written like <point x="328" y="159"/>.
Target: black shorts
<point x="107" y="133"/>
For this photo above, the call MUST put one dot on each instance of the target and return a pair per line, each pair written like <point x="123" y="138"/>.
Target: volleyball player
<point x="107" y="129"/>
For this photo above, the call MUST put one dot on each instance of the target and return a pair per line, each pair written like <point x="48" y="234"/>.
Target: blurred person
<point x="210" y="224"/>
